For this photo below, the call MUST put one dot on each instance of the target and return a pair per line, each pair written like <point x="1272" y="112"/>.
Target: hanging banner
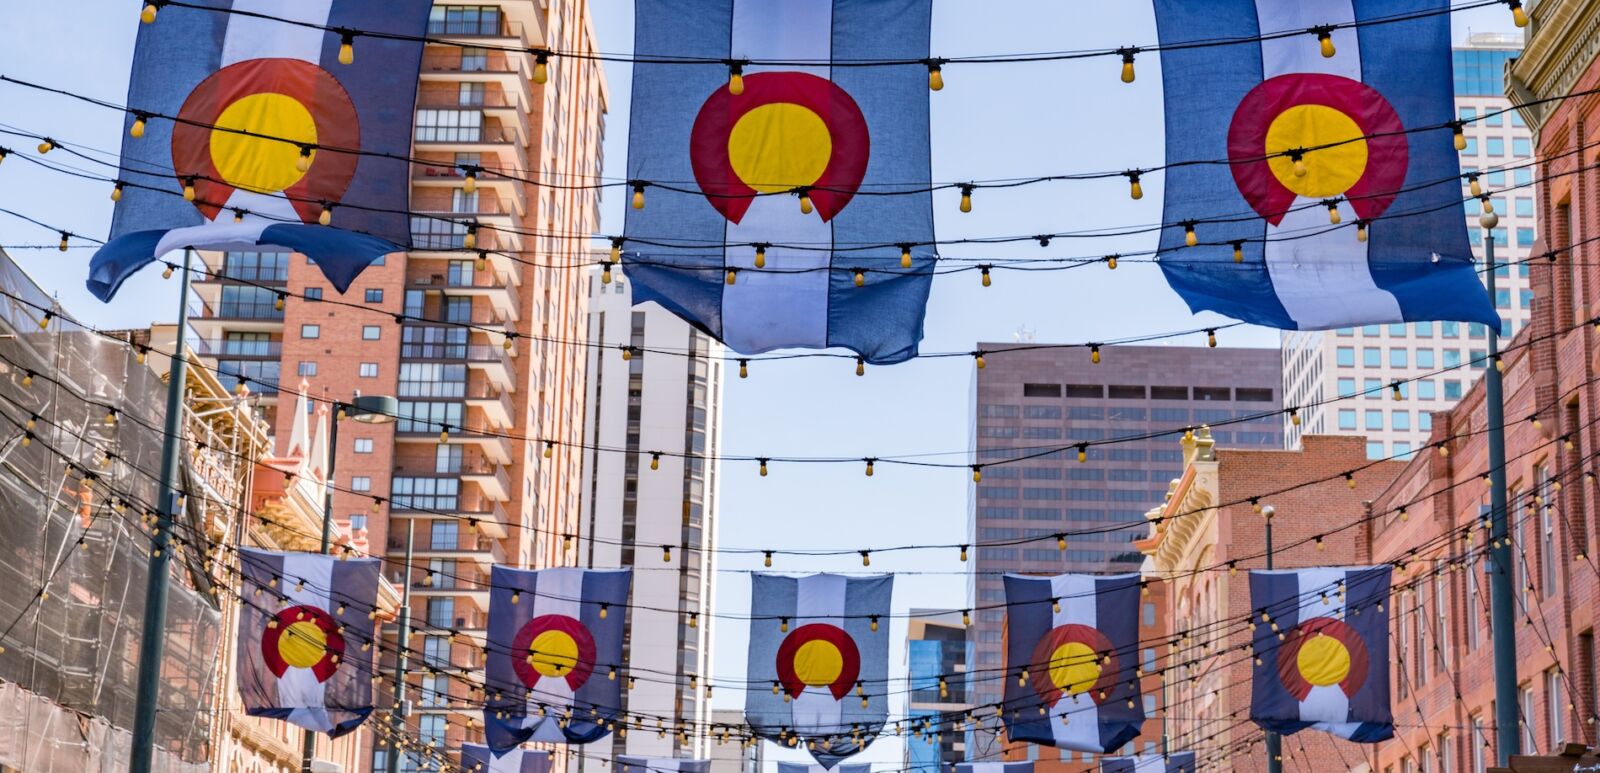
<point x="993" y="767"/>
<point x="822" y="643"/>
<point x="627" y="764"/>
<point x="801" y="767"/>
<point x="304" y="653"/>
<point x="1176" y="762"/>
<point x="788" y="165"/>
<point x="1314" y="140"/>
<point x="554" y="655"/>
<point x="1322" y="652"/>
<point x="265" y="114"/>
<point x="1072" y="650"/>
<point x="476" y="758"/>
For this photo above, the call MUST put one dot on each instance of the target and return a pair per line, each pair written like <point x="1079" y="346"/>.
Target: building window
<point x="1373" y="388"/>
<point x="1346" y="357"/>
<point x="1480" y="746"/>
<point x="1427" y="390"/>
<point x="1521" y="147"/>
<point x="449" y="126"/>
<point x="1374" y="419"/>
<point x="369" y="370"/>
<point x="1525" y="721"/>
<point x="371" y="332"/>
<point x="1494" y="146"/>
<point x="358" y="521"/>
<point x="306" y="369"/>
<point x="310" y="331"/>
<point x="1425" y="358"/>
<point x="313" y="293"/>
<point x="1374" y="449"/>
<point x="464" y="20"/>
<point x="1425" y="420"/>
<point x="361" y="483"/>
<point x="1347" y="387"/>
<point x="442" y="535"/>
<point x="1554" y="705"/>
<point x="363" y="445"/>
<point x="375" y="295"/>
<point x="1347" y="418"/>
<point x="1372" y="357"/>
<point x="1452" y="389"/>
<point x="1400" y="420"/>
<point x="1402" y="449"/>
<point x="1398" y="357"/>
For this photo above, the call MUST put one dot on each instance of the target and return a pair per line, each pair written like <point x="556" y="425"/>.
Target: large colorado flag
<point x="245" y="130"/>
<point x="1334" y="209"/>
<point x="1072" y="654"/>
<point x="760" y="192"/>
<point x="1322" y="651"/>
<point x="305" y="637"/>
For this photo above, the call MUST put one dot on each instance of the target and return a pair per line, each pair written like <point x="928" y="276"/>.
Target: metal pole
<point x="308" y="739"/>
<point x="397" y="714"/>
<point x="152" y="639"/>
<point x="1274" y="741"/>
<point x="1508" y="738"/>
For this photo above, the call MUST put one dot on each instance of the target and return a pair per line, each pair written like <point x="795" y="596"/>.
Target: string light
<point x="655" y="460"/>
<point x="1519" y="17"/>
<point x="148" y="14"/>
<point x="666" y="554"/>
<point x="966" y="197"/>
<point x="861" y="278"/>
<point x="766" y="558"/>
<point x="983" y="271"/>
<point x="1111" y="262"/>
<point x="761" y="254"/>
<point x="44" y="323"/>
<point x="1325" y="40"/>
<point x="1238" y="252"/>
<point x="977" y="473"/>
<point x="1135" y="190"/>
<point x="1395" y="392"/>
<point x="935" y="74"/>
<point x="977" y="359"/>
<point x="735" y="77"/>
<point x="905" y="255"/>
<point x="603" y="608"/>
<point x="1459" y="134"/>
<point x="1333" y="211"/>
<point x="326" y="215"/>
<point x="963" y="553"/>
<point x="1294" y="416"/>
<point x="1083" y="452"/>
<point x="861" y="366"/>
<point x="638" y="194"/>
<point x="1189" y="237"/>
<point x="1298" y="157"/>
<point x="1127" y="63"/>
<point x="63" y="245"/>
<point x="549" y="448"/>
<point x="188" y="189"/>
<point x="116" y="191"/>
<point x="347" y="47"/>
<point x="763" y="469"/>
<point x="1211" y="338"/>
<point x="1361" y="230"/>
<point x="46" y="146"/>
<point x="1488" y="205"/>
<point x="805" y="200"/>
<point x="1061" y="542"/>
<point x="1094" y="353"/>
<point x="874" y="624"/>
<point x="541" y="68"/>
<point x="744" y="368"/>
<point x="866" y="560"/>
<point x="1350" y="479"/>
<point x="1473" y="185"/>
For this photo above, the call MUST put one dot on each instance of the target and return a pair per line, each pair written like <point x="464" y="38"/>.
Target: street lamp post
<point x="1508" y="739"/>
<point x="369" y="409"/>
<point x="1274" y="741"/>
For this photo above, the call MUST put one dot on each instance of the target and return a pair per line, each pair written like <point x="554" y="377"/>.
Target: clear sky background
<point x="991" y="121"/>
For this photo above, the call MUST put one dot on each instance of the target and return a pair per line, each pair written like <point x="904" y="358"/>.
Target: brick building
<point x="1216" y="526"/>
<point x="487" y="492"/>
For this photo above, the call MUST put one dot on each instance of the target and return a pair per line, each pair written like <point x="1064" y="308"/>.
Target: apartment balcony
<point x="497" y="146"/>
<point x="488" y="441"/>
<point x="511" y="71"/>
<point x="495" y="404"/>
<point x="490" y="478"/>
<point x="495" y="362"/>
<point x="458" y="589"/>
<point x="211" y="320"/>
<point x="485" y="208"/>
<point x="429" y="178"/>
<point x="495" y="286"/>
<point x="436" y="239"/>
<point x="518" y="18"/>
<point x="509" y="107"/>
<point x="484" y="551"/>
<point x="239" y="350"/>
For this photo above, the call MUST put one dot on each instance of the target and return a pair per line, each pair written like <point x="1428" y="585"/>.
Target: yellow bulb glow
<point x="905" y="256"/>
<point x="935" y="78"/>
<point x="1326" y="39"/>
<point x="1474" y="186"/>
<point x="985" y="274"/>
<point x="638" y="197"/>
<point x="733" y="276"/>
<point x="116" y="192"/>
<point x="148" y="15"/>
<point x="861" y="367"/>
<point x="469" y="183"/>
<point x="347" y="52"/>
<point x="541" y="70"/>
<point x="137" y="129"/>
<point x="805" y="204"/>
<point x="1361" y="232"/>
<point x="1189" y="236"/>
<point x="735" y="83"/>
<point x="1111" y="262"/>
<point x="1094" y="354"/>
<point x="1238" y="252"/>
<point x="1460" y="139"/>
<point x="63" y="245"/>
<point x="977" y="474"/>
<point x="761" y="256"/>
<point x="188" y="190"/>
<point x="326" y="215"/>
<point x="744" y="369"/>
<point x="1519" y="17"/>
<point x="861" y="278"/>
<point x="1333" y="214"/>
<point x="605" y="274"/>
<point x="966" y="200"/>
<point x="1127" y="66"/>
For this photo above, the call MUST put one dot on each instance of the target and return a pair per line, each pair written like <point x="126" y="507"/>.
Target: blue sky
<point x="990" y="121"/>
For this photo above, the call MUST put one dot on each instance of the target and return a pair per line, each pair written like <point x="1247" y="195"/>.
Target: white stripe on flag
<point x="1075" y="719"/>
<point x="250" y="37"/>
<point x="1149" y="763"/>
<point x="769" y="310"/>
<point x="1303" y="267"/>
<point x="307" y="578"/>
<point x="557" y="593"/>
<point x="510" y="762"/>
<point x="818" y="598"/>
<point x="1326" y="706"/>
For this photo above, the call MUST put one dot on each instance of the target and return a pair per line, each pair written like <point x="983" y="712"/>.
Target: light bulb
<point x="1460" y="137"/>
<point x="766" y="559"/>
<point x="605" y="273"/>
<point x="977" y="473"/>
<point x="148" y="15"/>
<point x="469" y="182"/>
<point x="47" y="146"/>
<point x="1094" y="354"/>
<point x="1111" y="262"/>
<point x="1211" y="338"/>
<point x="1333" y="213"/>
<point x="666" y="554"/>
<point x="1325" y="38"/>
<point x="1135" y="188"/>
<point x="1238" y="252"/>
<point x="482" y="263"/>
<point x="869" y="467"/>
<point x="1299" y="160"/>
<point x="966" y="198"/>
<point x="638" y="196"/>
<point x="744" y="369"/>
<point x="861" y="367"/>
<point x="655" y="460"/>
<point x="1488" y="205"/>
<point x="983" y="272"/>
<point x="761" y="255"/>
<point x="861" y="278"/>
<point x="977" y="359"/>
<point x="935" y="77"/>
<point x="549" y="448"/>
<point x="1083" y="453"/>
<point x="541" y="68"/>
<point x="1127" y="64"/>
<point x="137" y="129"/>
<point x="805" y="203"/>
<point x="1189" y="237"/>
<point x="763" y="467"/>
<point x="326" y="215"/>
<point x="63" y="245"/>
<point x="735" y="79"/>
<point x="905" y="252"/>
<point x="116" y="191"/>
<point x="1519" y="17"/>
<point x="347" y="48"/>
<point x="1294" y="416"/>
<point x="733" y="276"/>
<point x="238" y="216"/>
<point x="470" y="239"/>
<point x="866" y="560"/>
<point x="1361" y="230"/>
<point x="188" y="189"/>
<point x="627" y="353"/>
<point x="963" y="552"/>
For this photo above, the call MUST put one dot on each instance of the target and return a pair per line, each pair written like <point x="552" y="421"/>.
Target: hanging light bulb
<point x="874" y="625"/>
<point x="148" y="14"/>
<point x="44" y="323"/>
<point x="1238" y="252"/>
<point x="1094" y="353"/>
<point x="1083" y="452"/>
<point x="1061" y="542"/>
<point x="116" y="191"/>
<point x="1055" y="606"/>
<point x="1189" y="237"/>
<point x="1333" y="211"/>
<point x="1127" y="63"/>
<point x="763" y="469"/>
<point x="935" y="74"/>
<point x="188" y="189"/>
<point x="805" y="201"/>
<point x="977" y="473"/>
<point x="905" y="255"/>
<point x="1111" y="262"/>
<point x="783" y="627"/>
<point x="869" y="460"/>
<point x="603" y="609"/>
<point x="1394" y="391"/>
<point x="744" y="368"/>
<point x="983" y="273"/>
<point x="1488" y="205"/>
<point x="605" y="273"/>
<point x="1459" y="134"/>
<point x="1325" y="41"/>
<point x="666" y="554"/>
<point x="238" y="215"/>
<point x="966" y="197"/>
<point x="1361" y="230"/>
<point x="861" y="367"/>
<point x="860" y="278"/>
<point x="541" y="67"/>
<point x="638" y="195"/>
<point x="1519" y="17"/>
<point x="1135" y="188"/>
<point x="766" y="558"/>
<point x="966" y="617"/>
<point x="326" y="215"/>
<point x="1294" y="416"/>
<point x="866" y="558"/>
<point x="963" y="552"/>
<point x="735" y="78"/>
<point x="1350" y="479"/>
<point x="655" y="460"/>
<point x="347" y="47"/>
<point x="46" y="146"/>
<point x="63" y="245"/>
<point x="977" y="359"/>
<point x="444" y="433"/>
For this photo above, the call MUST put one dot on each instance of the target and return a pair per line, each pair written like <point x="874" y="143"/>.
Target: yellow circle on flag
<point x="779" y="146"/>
<point x="1323" y="660"/>
<point x="1329" y="171"/>
<point x="818" y="663"/>
<point x="303" y="644"/>
<point x="1074" y="667"/>
<point x="255" y="163"/>
<point x="553" y="653"/>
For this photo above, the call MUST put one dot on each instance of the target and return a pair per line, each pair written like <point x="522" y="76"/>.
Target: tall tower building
<point x="937" y="653"/>
<point x="654" y="507"/>
<point x="1320" y="365"/>
<point x="504" y="478"/>
<point x="1039" y="403"/>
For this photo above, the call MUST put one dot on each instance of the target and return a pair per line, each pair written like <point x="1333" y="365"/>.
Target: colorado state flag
<point x="1072" y="649"/>
<point x="555" y="655"/>
<point x="626" y="764"/>
<point x="1322" y="651"/>
<point x="280" y="102"/>
<point x="822" y="643"/>
<point x="786" y="172"/>
<point x="476" y="758"/>
<point x="305" y="653"/>
<point x="993" y="767"/>
<point x="1355" y="114"/>
<point x="1176" y="762"/>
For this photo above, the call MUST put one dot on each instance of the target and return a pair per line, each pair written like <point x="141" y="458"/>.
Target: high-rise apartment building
<point x="1039" y="403"/>
<point x="483" y="458"/>
<point x="1322" y="365"/>
<point x="651" y="438"/>
<point x="937" y="652"/>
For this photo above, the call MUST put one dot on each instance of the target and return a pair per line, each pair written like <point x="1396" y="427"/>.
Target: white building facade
<point x="1326" y="364"/>
<point x="649" y="501"/>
